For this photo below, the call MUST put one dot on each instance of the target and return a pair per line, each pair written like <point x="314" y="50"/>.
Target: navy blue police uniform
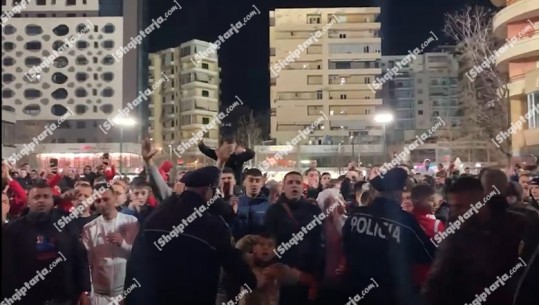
<point x="179" y="253"/>
<point x="382" y="243"/>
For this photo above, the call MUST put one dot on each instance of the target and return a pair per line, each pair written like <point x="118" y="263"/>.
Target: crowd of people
<point x="226" y="234"/>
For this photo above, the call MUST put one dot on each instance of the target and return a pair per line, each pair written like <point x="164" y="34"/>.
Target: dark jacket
<point x="235" y="162"/>
<point x="184" y="269"/>
<point x="141" y="216"/>
<point x="25" y="182"/>
<point x="29" y="246"/>
<point x="250" y="216"/>
<point x="66" y="183"/>
<point x="307" y="254"/>
<point x="529" y="285"/>
<point x="474" y="256"/>
<point x="383" y="242"/>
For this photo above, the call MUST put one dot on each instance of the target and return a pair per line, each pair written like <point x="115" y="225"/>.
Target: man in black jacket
<point x="177" y="256"/>
<point x="41" y="264"/>
<point x="236" y="160"/>
<point x="287" y="220"/>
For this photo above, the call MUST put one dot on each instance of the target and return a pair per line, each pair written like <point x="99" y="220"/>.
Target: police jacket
<point x="250" y="216"/>
<point x="383" y="242"/>
<point x="177" y="263"/>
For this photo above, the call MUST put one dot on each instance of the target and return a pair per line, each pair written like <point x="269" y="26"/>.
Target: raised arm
<point x="210" y="153"/>
<point x="159" y="186"/>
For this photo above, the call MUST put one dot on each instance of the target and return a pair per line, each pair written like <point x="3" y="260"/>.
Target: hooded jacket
<point x="164" y="170"/>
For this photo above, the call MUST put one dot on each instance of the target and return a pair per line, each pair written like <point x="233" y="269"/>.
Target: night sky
<point x="244" y="57"/>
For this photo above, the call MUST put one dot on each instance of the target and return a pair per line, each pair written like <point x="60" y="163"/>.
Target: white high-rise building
<point x="339" y="52"/>
<point x="57" y="62"/>
<point x="189" y="101"/>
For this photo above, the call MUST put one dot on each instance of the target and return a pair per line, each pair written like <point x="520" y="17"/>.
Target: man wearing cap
<point x="383" y="242"/>
<point x="179" y="253"/>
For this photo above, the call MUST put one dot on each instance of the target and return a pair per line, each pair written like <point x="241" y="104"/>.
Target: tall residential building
<point x="45" y="78"/>
<point x="424" y="89"/>
<point x="189" y="101"/>
<point x="423" y="93"/>
<point x="322" y="61"/>
<point x="521" y="63"/>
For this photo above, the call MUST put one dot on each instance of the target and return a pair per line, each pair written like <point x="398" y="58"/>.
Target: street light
<point x="123" y="122"/>
<point x="384" y="118"/>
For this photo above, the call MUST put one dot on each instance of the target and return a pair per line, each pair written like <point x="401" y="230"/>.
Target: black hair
<point x="140" y="183"/>
<point x="466" y="184"/>
<point x="421" y="191"/>
<point x="40" y="184"/>
<point x="325" y="173"/>
<point x="228" y="170"/>
<point x="312" y="169"/>
<point x="292" y="173"/>
<point x="429" y="180"/>
<point x="255" y="172"/>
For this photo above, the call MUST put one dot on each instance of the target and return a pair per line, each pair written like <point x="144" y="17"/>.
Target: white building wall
<point x="59" y="86"/>
<point x="312" y="83"/>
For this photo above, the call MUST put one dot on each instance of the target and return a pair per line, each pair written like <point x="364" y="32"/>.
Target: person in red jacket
<point x="14" y="191"/>
<point x="164" y="170"/>
<point x="423" y="198"/>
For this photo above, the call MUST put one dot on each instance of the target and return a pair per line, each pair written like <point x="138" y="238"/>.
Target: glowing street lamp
<point x="123" y="122"/>
<point x="384" y="118"/>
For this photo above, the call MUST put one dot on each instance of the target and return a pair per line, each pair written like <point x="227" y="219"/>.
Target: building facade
<point x="57" y="63"/>
<point x="186" y="103"/>
<point x="321" y="64"/>
<point x="521" y="63"/>
<point x="423" y="90"/>
<point x="8" y="133"/>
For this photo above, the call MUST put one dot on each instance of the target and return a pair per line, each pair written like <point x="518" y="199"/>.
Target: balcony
<point x="531" y="136"/>
<point x="514" y="11"/>
<point x="516" y="85"/>
<point x="526" y="47"/>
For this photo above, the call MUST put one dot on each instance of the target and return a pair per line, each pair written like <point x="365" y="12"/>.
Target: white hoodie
<point x="107" y="260"/>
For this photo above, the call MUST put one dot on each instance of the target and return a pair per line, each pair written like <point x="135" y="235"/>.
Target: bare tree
<point x="249" y="131"/>
<point x="485" y="96"/>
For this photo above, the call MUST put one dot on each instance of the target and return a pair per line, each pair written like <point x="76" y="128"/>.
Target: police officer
<point x="382" y="243"/>
<point x="178" y="255"/>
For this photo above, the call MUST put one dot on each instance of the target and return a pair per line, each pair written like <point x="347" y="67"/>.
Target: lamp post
<point x="123" y="122"/>
<point x="384" y="118"/>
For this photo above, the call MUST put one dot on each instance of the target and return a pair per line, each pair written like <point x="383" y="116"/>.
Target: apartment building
<point x="521" y="63"/>
<point x="321" y="62"/>
<point x="423" y="90"/>
<point x="183" y="105"/>
<point x="44" y="77"/>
